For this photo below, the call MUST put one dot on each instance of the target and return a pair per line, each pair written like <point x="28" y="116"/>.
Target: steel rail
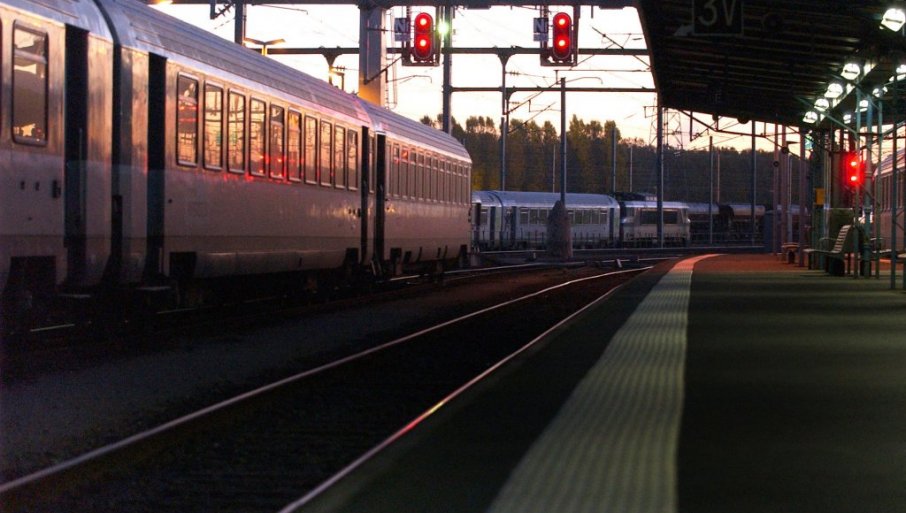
<point x="68" y="465"/>
<point x="374" y="451"/>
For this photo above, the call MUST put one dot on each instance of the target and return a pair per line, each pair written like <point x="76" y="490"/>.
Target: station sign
<point x="717" y="17"/>
<point x="541" y="28"/>
<point x="401" y="30"/>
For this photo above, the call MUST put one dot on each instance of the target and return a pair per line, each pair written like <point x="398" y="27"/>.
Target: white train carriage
<point x="54" y="149"/>
<point x="152" y="155"/>
<point x="639" y="223"/>
<point x="422" y="206"/>
<point x="518" y="220"/>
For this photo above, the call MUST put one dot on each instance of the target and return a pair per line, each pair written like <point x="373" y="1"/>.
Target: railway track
<point x="263" y="449"/>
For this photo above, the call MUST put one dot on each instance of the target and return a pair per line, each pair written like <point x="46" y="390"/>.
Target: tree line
<point x="533" y="154"/>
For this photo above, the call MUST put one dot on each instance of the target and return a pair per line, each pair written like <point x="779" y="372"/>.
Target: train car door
<point x="157" y="90"/>
<point x="74" y="174"/>
<point x="364" y="188"/>
<point x="380" y="211"/>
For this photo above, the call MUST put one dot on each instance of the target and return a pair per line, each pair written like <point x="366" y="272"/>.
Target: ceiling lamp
<point x="894" y="19"/>
<point x="834" y="91"/>
<point x="879" y="92"/>
<point x="848" y="117"/>
<point x="810" y="117"/>
<point x="863" y="105"/>
<point x="822" y="104"/>
<point x="851" y="71"/>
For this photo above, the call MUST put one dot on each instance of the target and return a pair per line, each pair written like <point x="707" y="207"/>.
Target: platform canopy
<point x="769" y="60"/>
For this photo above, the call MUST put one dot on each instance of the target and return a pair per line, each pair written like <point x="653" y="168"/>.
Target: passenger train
<point x="518" y="220"/>
<point x="140" y="155"/>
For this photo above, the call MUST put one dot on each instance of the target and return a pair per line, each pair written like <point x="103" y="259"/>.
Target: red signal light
<point x="853" y="169"/>
<point x="562" y="47"/>
<point x="423" y="42"/>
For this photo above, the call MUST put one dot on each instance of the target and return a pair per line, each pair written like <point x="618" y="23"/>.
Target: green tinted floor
<point x="795" y="393"/>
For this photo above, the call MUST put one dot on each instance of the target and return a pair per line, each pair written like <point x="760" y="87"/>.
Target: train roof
<point x="83" y="14"/>
<point x="543" y="199"/>
<point x="886" y="165"/>
<point x="745" y="209"/>
<point x="388" y="122"/>
<point x="702" y="208"/>
<point x="653" y="204"/>
<point x="141" y="27"/>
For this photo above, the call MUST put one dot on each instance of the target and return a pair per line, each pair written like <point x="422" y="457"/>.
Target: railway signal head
<point x="423" y="49"/>
<point x="563" y="44"/>
<point x="853" y="169"/>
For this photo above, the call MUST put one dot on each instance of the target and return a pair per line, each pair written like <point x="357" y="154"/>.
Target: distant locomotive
<point x="141" y="155"/>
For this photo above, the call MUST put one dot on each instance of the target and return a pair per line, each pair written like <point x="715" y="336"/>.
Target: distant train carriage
<point x="518" y="220"/>
<point x="704" y="220"/>
<point x="639" y="223"/>
<point x="740" y="221"/>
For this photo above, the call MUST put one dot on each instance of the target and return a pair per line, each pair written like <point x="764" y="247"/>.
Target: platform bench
<point x="788" y="251"/>
<point x="836" y="259"/>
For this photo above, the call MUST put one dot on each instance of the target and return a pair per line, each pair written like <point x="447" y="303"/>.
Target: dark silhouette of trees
<point x="533" y="162"/>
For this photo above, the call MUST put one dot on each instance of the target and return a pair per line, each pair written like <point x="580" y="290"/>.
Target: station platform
<point x="720" y="383"/>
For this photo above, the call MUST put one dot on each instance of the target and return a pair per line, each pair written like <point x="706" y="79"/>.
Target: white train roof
<point x="673" y="205"/>
<point x="542" y="199"/>
<point x="702" y="208"/>
<point x="140" y="27"/>
<point x="390" y="123"/>
<point x="83" y="14"/>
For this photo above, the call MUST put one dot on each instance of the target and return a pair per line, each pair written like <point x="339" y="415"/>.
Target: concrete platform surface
<point x="725" y="383"/>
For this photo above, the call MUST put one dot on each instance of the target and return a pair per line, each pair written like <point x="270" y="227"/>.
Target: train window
<point x="394" y="170"/>
<point x="533" y="216"/>
<point x="671" y="217"/>
<point x="443" y="185"/>
<point x="326" y="150"/>
<point x="213" y="127"/>
<point x="29" y="96"/>
<point x="352" y="158"/>
<point x="257" y="137"/>
<point x="648" y="217"/>
<point x="310" y="156"/>
<point x="236" y="133"/>
<point x="523" y="216"/>
<point x="187" y="121"/>
<point x="431" y="171"/>
<point x="339" y="157"/>
<point x="403" y="172"/>
<point x="294" y="146"/>
<point x="275" y="160"/>
<point x="414" y="160"/>
<point x="420" y="177"/>
<point x="372" y="169"/>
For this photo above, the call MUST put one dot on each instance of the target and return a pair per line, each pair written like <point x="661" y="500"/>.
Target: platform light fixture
<point x="822" y="104"/>
<point x="811" y="117"/>
<point x="834" y="90"/>
<point x="894" y="19"/>
<point x="264" y="44"/>
<point x="851" y="70"/>
<point x="879" y="91"/>
<point x="848" y="118"/>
